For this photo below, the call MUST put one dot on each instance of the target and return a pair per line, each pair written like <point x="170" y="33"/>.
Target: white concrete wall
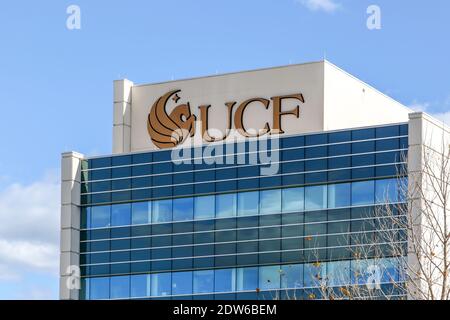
<point x="350" y="103"/>
<point x="70" y="225"/>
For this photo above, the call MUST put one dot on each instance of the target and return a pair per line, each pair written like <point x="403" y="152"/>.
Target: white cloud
<point x="427" y="106"/>
<point x="317" y="5"/>
<point x="29" y="238"/>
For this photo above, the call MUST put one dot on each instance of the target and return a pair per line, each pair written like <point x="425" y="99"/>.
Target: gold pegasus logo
<point x="168" y="131"/>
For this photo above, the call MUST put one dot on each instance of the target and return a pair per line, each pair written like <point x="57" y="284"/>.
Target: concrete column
<point x="70" y="225"/>
<point x="122" y="116"/>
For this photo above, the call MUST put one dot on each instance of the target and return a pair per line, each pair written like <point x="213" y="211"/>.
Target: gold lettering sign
<point x="169" y="130"/>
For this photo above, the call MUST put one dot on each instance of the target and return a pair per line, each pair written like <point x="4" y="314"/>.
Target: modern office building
<point x="193" y="204"/>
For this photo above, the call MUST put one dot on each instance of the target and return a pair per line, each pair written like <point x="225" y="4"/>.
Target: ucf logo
<point x="170" y="130"/>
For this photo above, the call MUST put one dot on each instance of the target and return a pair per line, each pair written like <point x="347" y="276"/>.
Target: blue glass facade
<point x="152" y="229"/>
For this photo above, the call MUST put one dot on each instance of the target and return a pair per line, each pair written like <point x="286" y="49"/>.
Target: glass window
<point x="225" y="280"/>
<point x="141" y="212"/>
<point x="386" y="191"/>
<point x="99" y="288"/>
<point x="314" y="274"/>
<point x="248" y="203"/>
<point x="204" y="281"/>
<point x="183" y="209"/>
<point x="160" y="284"/>
<point x="86" y="217"/>
<point x="339" y="195"/>
<point x="269" y="277"/>
<point x="121" y="214"/>
<point x="120" y="287"/>
<point x="162" y="211"/>
<point x="316" y="197"/>
<point x="338" y="273"/>
<point x="226" y="205"/>
<point x="247" y="279"/>
<point x="292" y="276"/>
<point x="363" y="193"/>
<point x="270" y="201"/>
<point x="372" y="272"/>
<point x="204" y="207"/>
<point x="182" y="282"/>
<point x="101" y="216"/>
<point x="293" y="199"/>
<point x="139" y="285"/>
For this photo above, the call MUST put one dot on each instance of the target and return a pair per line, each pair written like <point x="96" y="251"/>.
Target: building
<point x="195" y="203"/>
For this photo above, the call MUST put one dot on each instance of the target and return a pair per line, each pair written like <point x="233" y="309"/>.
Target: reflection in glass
<point x="226" y="205"/>
<point x="316" y="197"/>
<point x="182" y="282"/>
<point x="99" y="288"/>
<point x="139" y="285"/>
<point x="121" y="214"/>
<point x="292" y="276"/>
<point x="270" y="201"/>
<point x="141" y="212"/>
<point x="120" y="287"/>
<point x="101" y="216"/>
<point x="248" y="203"/>
<point x="183" y="209"/>
<point x="160" y="284"/>
<point x="363" y="193"/>
<point x="162" y="211"/>
<point x="293" y="199"/>
<point x="339" y="195"/>
<point x="203" y="281"/>
<point x="225" y="280"/>
<point x="247" y="279"/>
<point x="269" y="277"/>
<point x="204" y="207"/>
<point x="386" y="191"/>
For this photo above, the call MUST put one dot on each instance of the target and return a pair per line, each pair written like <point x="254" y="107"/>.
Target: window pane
<point x="160" y="284"/>
<point x="270" y="201"/>
<point x="141" y="212"/>
<point x="182" y="282"/>
<point x="86" y="217"/>
<point x="140" y="285"/>
<point x="248" y="203"/>
<point x="247" y="279"/>
<point x="269" y="277"/>
<point x="386" y="191"/>
<point x="204" y="281"/>
<point x="226" y="205"/>
<point x="338" y="273"/>
<point x="339" y="195"/>
<point x="316" y="197"/>
<point x="100" y="216"/>
<point x="293" y="199"/>
<point x="183" y="209"/>
<point x="292" y="276"/>
<point x="225" y="280"/>
<point x="99" y="288"/>
<point x="162" y="211"/>
<point x="314" y="273"/>
<point x="204" y="207"/>
<point x="363" y="192"/>
<point x="120" y="287"/>
<point x="121" y="214"/>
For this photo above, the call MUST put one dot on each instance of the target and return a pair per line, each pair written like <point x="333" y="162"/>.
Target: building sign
<point x="168" y="130"/>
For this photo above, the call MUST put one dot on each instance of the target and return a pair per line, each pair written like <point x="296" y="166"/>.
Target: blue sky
<point x="56" y="84"/>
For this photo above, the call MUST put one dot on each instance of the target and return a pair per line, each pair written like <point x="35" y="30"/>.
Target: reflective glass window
<point x="99" y="288"/>
<point x="339" y="195"/>
<point x="386" y="191"/>
<point x="120" y="287"/>
<point x="338" y="273"/>
<point x="269" y="277"/>
<point x="225" y="280"/>
<point x="160" y="284"/>
<point x="363" y="193"/>
<point x="248" y="203"/>
<point x="162" y="211"/>
<point x="141" y="212"/>
<point x="204" y="207"/>
<point x="292" y="276"/>
<point x="314" y="273"/>
<point x="182" y="282"/>
<point x="270" y="201"/>
<point x="121" y="214"/>
<point x="101" y="216"/>
<point x="204" y="281"/>
<point x="293" y="200"/>
<point x="247" y="279"/>
<point x="316" y="197"/>
<point x="226" y="205"/>
<point x="183" y="209"/>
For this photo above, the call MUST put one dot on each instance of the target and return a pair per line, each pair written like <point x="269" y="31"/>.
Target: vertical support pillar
<point x="70" y="225"/>
<point x="122" y="116"/>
